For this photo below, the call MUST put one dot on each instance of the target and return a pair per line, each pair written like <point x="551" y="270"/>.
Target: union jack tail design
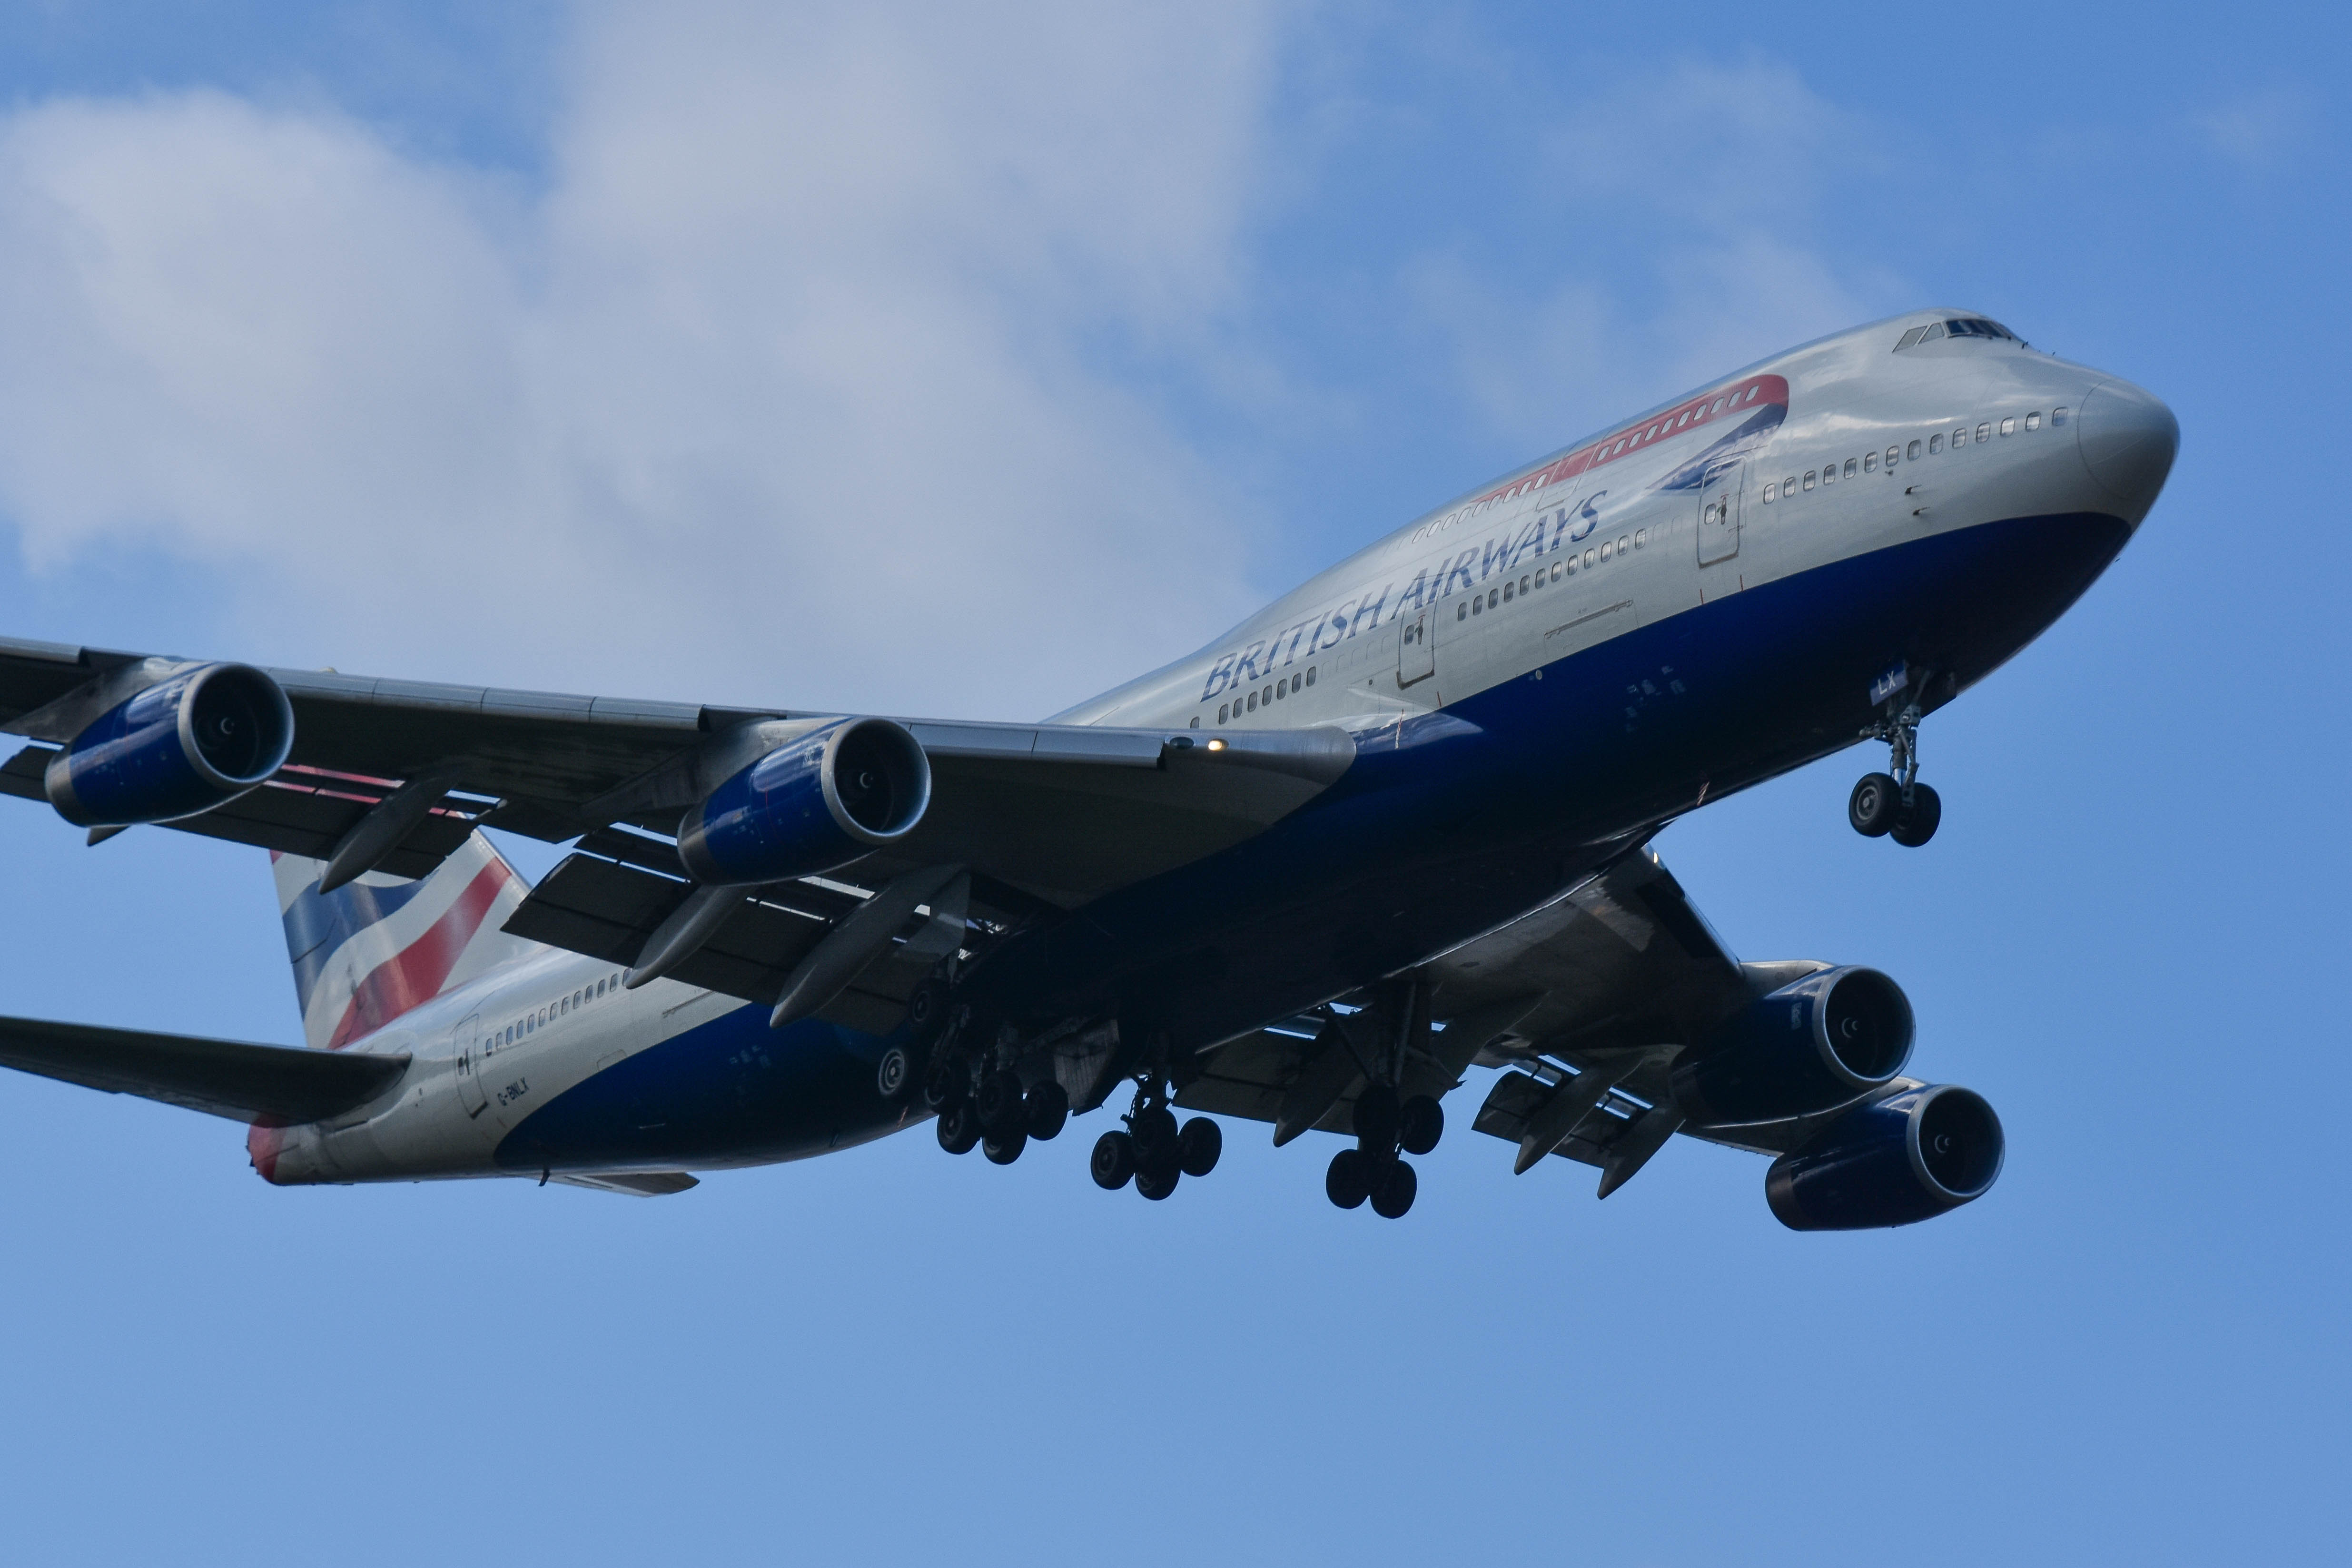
<point x="373" y="948"/>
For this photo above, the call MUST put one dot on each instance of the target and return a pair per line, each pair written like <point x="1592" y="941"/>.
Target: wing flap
<point x="274" y="1085"/>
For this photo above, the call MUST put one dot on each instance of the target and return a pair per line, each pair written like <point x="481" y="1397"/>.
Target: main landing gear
<point x="1372" y="1170"/>
<point x="1895" y="804"/>
<point x="997" y="1115"/>
<point x="1154" y="1152"/>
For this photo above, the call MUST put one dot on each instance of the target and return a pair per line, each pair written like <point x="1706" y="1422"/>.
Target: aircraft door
<point x="1416" y="652"/>
<point x="1718" y="513"/>
<point x="469" y="1049"/>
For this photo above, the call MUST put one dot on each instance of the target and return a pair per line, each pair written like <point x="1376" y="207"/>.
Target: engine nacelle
<point x="1825" y="1039"/>
<point x="1906" y="1158"/>
<point x="814" y="804"/>
<point x="182" y="745"/>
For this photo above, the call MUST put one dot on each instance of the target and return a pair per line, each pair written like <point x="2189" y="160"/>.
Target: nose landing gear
<point x="1895" y="804"/>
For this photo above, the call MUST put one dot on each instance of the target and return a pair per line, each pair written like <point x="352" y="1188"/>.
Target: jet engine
<point x="1829" y="1038"/>
<point x="185" y="745"/>
<point x="814" y="804"/>
<point x="1896" y="1161"/>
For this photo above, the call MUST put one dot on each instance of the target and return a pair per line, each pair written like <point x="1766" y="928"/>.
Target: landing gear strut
<point x="1895" y="804"/>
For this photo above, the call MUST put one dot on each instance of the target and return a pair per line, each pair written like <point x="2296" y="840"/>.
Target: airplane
<point x="1391" y="828"/>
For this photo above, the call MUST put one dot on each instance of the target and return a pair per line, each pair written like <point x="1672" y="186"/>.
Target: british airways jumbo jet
<point x="1389" y="829"/>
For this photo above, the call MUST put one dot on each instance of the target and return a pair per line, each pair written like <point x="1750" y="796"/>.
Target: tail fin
<point x="373" y="949"/>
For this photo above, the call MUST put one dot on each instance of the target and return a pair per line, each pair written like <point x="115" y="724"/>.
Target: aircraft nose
<point x="2127" y="439"/>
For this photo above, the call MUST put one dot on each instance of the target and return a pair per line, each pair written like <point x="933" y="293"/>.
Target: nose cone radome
<point x="2127" y="438"/>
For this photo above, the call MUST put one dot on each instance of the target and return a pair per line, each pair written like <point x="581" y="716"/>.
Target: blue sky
<point x="934" y="363"/>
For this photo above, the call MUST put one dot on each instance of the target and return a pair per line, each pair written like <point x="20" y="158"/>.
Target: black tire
<point x="1156" y="1138"/>
<point x="1395" y="1192"/>
<point x="1113" y="1163"/>
<point x="1198" y="1146"/>
<point x="1420" y="1124"/>
<point x="1917" y="822"/>
<point x="1376" y="1116"/>
<point x="1158" y="1184"/>
<point x="1004" y="1151"/>
<point x="927" y="1011"/>
<point x="946" y="1082"/>
<point x="1048" y="1107"/>
<point x="1871" y="806"/>
<point x="1348" y="1182"/>
<point x="1002" y="1106"/>
<point x="895" y="1075"/>
<point x="959" y="1129"/>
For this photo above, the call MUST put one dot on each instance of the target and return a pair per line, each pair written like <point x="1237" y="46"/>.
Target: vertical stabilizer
<point x="373" y="949"/>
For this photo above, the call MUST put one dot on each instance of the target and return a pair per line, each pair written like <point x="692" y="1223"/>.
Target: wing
<point x="275" y="1085"/>
<point x="1585" y="1000"/>
<point x="391" y="776"/>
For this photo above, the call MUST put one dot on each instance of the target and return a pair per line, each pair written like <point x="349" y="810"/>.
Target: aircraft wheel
<point x="1420" y="1124"/>
<point x="927" y="1011"/>
<point x="1376" y="1116"/>
<point x="895" y="1073"/>
<point x="1198" y="1146"/>
<point x="1157" y="1184"/>
<point x="1047" y="1106"/>
<point x="1873" y="805"/>
<point x="1395" y="1193"/>
<point x="1348" y="1183"/>
<point x="1004" y="1151"/>
<point x="1156" y="1138"/>
<point x="1113" y="1161"/>
<point x="1916" y="823"/>
<point x="959" y="1129"/>
<point x="1000" y="1104"/>
<point x="948" y="1082"/>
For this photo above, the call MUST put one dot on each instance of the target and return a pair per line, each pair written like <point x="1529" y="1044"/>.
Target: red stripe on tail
<point x="415" y="974"/>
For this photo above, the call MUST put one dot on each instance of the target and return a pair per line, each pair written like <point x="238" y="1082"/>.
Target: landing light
<point x="1216" y="745"/>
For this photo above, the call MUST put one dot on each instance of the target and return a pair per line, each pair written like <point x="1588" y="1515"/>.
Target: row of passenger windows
<point x="1868" y="462"/>
<point x="532" y="1022"/>
<point x="1267" y="697"/>
<point x="1494" y="598"/>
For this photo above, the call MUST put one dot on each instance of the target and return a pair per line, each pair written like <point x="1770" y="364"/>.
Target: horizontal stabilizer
<point x="273" y="1085"/>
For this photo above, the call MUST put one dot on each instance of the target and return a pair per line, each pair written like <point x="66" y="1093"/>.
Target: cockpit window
<point x="1958" y="327"/>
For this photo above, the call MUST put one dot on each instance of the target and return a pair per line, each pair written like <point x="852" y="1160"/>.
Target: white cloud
<point x="2259" y="131"/>
<point x="1682" y="207"/>
<point x="798" y="295"/>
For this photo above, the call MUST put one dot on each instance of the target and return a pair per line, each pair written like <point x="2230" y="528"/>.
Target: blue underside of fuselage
<point x="1445" y="826"/>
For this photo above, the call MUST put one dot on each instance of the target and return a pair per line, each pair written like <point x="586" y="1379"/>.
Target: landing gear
<point x="1046" y="1107"/>
<point x="1895" y="804"/>
<point x="1154" y="1152"/>
<point x="1371" y="1169"/>
<point x="1005" y="1150"/>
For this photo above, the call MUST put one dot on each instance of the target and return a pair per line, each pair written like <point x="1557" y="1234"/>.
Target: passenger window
<point x="1829" y="475"/>
<point x="1478" y="605"/>
<point x="1555" y="571"/>
<point x="1523" y="585"/>
<point x="1604" y="550"/>
<point x="1221" y="713"/>
<point x="1893" y="456"/>
<point x="1809" y="479"/>
<point x="1771" y="492"/>
<point x="1912" y="452"/>
<point x="1506" y="592"/>
<point x="1461" y="612"/>
<point x="1253" y="702"/>
<point x="1849" y="467"/>
<point x="2008" y="427"/>
<point x="1869" y="462"/>
<point x="1984" y="433"/>
<point x="2034" y="421"/>
<point x="1494" y="597"/>
<point x="2057" y="417"/>
<point x="1588" y="557"/>
<point x="1934" y="443"/>
<point x="1640" y="538"/>
<point x="1310" y="675"/>
<point x="1717" y="408"/>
